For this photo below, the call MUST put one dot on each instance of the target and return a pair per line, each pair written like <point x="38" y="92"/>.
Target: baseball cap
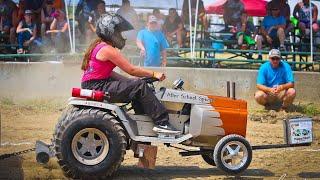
<point x="152" y="18"/>
<point x="27" y="11"/>
<point x="274" y="53"/>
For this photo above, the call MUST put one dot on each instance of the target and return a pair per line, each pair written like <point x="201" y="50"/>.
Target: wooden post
<point x="147" y="156"/>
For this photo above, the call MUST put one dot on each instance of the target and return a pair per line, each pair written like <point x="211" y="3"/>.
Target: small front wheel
<point x="232" y="154"/>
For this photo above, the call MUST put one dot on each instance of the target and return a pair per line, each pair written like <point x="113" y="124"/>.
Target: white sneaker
<point x="168" y="129"/>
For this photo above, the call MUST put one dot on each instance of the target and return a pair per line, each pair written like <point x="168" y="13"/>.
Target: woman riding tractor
<point x="103" y="56"/>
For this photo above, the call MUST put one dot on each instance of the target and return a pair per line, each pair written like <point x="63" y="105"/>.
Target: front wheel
<point x="89" y="143"/>
<point x="233" y="154"/>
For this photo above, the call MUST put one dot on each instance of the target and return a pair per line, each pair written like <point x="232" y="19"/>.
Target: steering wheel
<point x="150" y="80"/>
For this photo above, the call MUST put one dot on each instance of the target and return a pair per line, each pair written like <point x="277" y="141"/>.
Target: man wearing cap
<point x="275" y="82"/>
<point x="152" y="44"/>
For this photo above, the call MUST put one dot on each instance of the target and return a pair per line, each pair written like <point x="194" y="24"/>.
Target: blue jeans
<point x="23" y="37"/>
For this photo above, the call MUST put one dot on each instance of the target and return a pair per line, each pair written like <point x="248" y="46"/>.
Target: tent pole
<point x="195" y="27"/>
<point x="311" y="32"/>
<point x="69" y="29"/>
<point x="190" y="28"/>
<point x="73" y="27"/>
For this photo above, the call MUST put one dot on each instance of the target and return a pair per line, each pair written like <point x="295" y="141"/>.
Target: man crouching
<point x="275" y="82"/>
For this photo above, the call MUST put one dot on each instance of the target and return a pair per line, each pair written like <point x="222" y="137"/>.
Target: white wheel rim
<point x="234" y="155"/>
<point x="90" y="146"/>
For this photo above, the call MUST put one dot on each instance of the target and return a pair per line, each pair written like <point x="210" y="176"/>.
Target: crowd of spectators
<point x="33" y="23"/>
<point x="43" y="23"/>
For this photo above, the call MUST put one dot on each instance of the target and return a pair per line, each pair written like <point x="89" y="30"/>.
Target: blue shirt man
<point x="271" y="21"/>
<point x="271" y="77"/>
<point x="152" y="44"/>
<point x="275" y="82"/>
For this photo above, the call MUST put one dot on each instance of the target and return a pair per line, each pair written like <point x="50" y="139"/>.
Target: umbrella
<point x="252" y="7"/>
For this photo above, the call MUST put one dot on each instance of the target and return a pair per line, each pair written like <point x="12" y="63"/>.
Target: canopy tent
<point x="252" y="7"/>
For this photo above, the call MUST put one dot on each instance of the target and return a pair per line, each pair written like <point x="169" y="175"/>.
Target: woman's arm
<point x="114" y="55"/>
<point x="53" y="25"/>
<point x="20" y="29"/>
<point x="34" y="33"/>
<point x="43" y="18"/>
<point x="315" y="14"/>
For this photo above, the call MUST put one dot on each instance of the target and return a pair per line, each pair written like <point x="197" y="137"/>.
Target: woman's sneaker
<point x="168" y="129"/>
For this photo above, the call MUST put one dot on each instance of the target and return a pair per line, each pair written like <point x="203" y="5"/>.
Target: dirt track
<point x="27" y="123"/>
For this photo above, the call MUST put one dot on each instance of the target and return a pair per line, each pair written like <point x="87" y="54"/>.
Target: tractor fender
<point x="122" y="117"/>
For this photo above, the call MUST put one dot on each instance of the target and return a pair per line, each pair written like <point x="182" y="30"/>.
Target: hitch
<point x="43" y="152"/>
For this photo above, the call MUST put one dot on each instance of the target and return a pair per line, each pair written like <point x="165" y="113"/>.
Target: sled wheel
<point x="208" y="158"/>
<point x="89" y="143"/>
<point x="233" y="154"/>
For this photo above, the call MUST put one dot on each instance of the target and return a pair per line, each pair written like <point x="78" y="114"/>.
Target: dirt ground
<point x="29" y="121"/>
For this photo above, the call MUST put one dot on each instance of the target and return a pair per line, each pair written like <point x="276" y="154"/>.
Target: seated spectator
<point x="302" y="13"/>
<point x="36" y="7"/>
<point x="235" y="16"/>
<point x="131" y="16"/>
<point x="101" y="9"/>
<point x="275" y="82"/>
<point x="27" y="32"/>
<point x="47" y="17"/>
<point x="152" y="44"/>
<point x="59" y="31"/>
<point x="284" y="11"/>
<point x="272" y="30"/>
<point x="82" y="14"/>
<point x="173" y="27"/>
<point x="202" y="20"/>
<point x="159" y="16"/>
<point x="7" y="11"/>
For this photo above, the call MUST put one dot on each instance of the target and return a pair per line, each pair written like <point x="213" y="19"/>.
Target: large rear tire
<point x="89" y="143"/>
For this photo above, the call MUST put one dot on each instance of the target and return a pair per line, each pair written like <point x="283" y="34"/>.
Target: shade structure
<point x="252" y="7"/>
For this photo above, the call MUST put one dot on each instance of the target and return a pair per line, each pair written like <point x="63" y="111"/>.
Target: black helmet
<point x="110" y="26"/>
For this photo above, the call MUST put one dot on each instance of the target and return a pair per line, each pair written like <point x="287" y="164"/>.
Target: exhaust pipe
<point x="43" y="152"/>
<point x="233" y="90"/>
<point x="228" y="89"/>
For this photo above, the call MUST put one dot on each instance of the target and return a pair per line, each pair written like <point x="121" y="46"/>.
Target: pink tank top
<point x="97" y="69"/>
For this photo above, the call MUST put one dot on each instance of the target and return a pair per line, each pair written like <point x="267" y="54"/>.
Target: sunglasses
<point x="275" y="58"/>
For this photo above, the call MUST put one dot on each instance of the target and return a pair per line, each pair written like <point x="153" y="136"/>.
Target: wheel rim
<point x="234" y="155"/>
<point x="90" y="146"/>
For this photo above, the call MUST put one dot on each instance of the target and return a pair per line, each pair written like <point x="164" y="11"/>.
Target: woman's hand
<point x="159" y="75"/>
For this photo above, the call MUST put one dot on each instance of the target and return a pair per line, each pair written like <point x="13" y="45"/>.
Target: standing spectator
<point x="284" y="11"/>
<point x="47" y="17"/>
<point x="173" y="27"/>
<point x="27" y="31"/>
<point x="59" y="30"/>
<point x="101" y="9"/>
<point x="7" y="11"/>
<point x="235" y="15"/>
<point x="131" y="16"/>
<point x="302" y="13"/>
<point x="152" y="44"/>
<point x="156" y="12"/>
<point x="272" y="29"/>
<point x="19" y="16"/>
<point x="82" y="14"/>
<point x="275" y="82"/>
<point x="202" y="20"/>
